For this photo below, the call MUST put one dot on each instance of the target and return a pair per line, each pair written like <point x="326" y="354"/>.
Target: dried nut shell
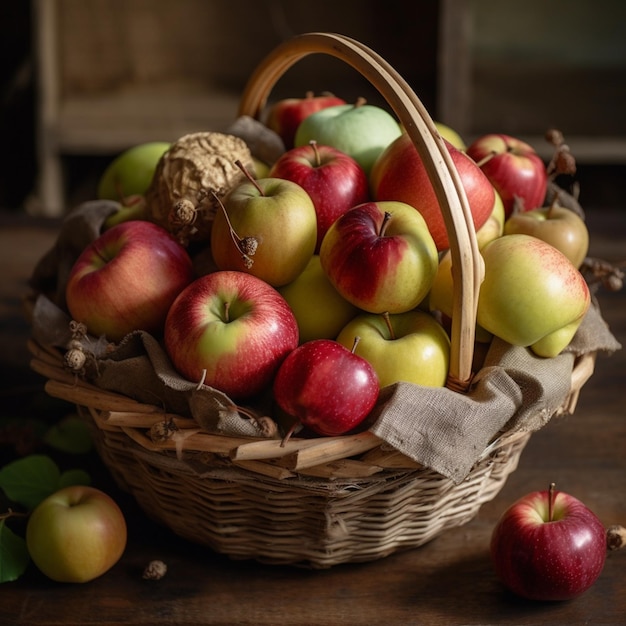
<point x="197" y="165"/>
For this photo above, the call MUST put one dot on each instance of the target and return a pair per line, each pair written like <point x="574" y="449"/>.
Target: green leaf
<point x="14" y="557"/>
<point x="29" y="480"/>
<point x="70" y="435"/>
<point x="74" y="477"/>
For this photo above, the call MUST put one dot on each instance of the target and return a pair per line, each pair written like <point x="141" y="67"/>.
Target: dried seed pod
<point x="155" y="570"/>
<point x="194" y="168"/>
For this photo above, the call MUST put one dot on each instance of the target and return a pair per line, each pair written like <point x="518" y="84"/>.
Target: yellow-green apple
<point x="531" y="295"/>
<point x="441" y="296"/>
<point x="380" y="256"/>
<point x="400" y="174"/>
<point x="411" y="347"/>
<point x="326" y="387"/>
<point x="451" y="135"/>
<point x="126" y="280"/>
<point x="321" y="312"/>
<point x="557" y="225"/>
<point x="548" y="546"/>
<point x="513" y="167"/>
<point x="494" y="226"/>
<point x="334" y="181"/>
<point x="76" y="534"/>
<point x="230" y="330"/>
<point x="360" y="130"/>
<point x="267" y="228"/>
<point x="284" y="116"/>
<point x="131" y="172"/>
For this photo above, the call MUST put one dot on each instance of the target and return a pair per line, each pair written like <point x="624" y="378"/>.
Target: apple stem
<point x="387" y="319"/>
<point x="249" y="176"/>
<point x="383" y="226"/>
<point x="246" y="245"/>
<point x="313" y="145"/>
<point x="227" y="311"/>
<point x="486" y="158"/>
<point x="551" y="495"/>
<point x="290" y="432"/>
<point x="357" y="339"/>
<point x="360" y="101"/>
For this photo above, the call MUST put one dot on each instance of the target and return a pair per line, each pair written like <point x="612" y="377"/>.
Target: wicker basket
<point x="312" y="502"/>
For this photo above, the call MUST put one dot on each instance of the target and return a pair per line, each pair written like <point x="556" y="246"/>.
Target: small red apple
<point x="548" y="546"/>
<point x="514" y="169"/>
<point x="326" y="387"/>
<point x="127" y="279"/>
<point x="399" y="174"/>
<point x="334" y="181"/>
<point x="285" y="115"/>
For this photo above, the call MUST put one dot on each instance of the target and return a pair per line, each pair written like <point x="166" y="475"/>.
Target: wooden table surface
<point x="448" y="581"/>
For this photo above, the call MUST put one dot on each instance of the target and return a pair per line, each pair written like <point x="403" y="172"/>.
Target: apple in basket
<point x="411" y="347"/>
<point x="326" y="387"/>
<point x="360" y="130"/>
<point x="531" y="295"/>
<point x="321" y="312"/>
<point x="514" y="169"/>
<point x="126" y="280"/>
<point x="548" y="546"/>
<point x="400" y="174"/>
<point x="380" y="256"/>
<point x="267" y="228"/>
<point x="76" y="534"/>
<point x="557" y="225"/>
<point x="334" y="181"/>
<point x="230" y="330"/>
<point x="284" y="116"/>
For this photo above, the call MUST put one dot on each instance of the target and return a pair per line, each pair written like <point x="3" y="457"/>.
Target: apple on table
<point x="126" y="280"/>
<point x="360" y="130"/>
<point x="326" y="387"/>
<point x="380" y="256"/>
<point x="513" y="167"/>
<point x="267" y="228"/>
<point x="334" y="181"/>
<point x="400" y="174"/>
<point x="548" y="546"/>
<point x="230" y="330"/>
<point x="76" y="534"/>
<point x="411" y="347"/>
<point x="285" y="115"/>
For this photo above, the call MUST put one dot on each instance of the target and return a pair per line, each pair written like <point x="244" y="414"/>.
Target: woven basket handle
<point x="467" y="265"/>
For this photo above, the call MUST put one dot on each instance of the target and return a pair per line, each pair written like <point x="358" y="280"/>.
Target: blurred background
<point x="82" y="80"/>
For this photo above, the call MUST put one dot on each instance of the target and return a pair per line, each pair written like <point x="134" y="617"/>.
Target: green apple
<point x="76" y="534"/>
<point x="532" y="295"/>
<point x="411" y="347"/>
<point x="556" y="225"/>
<point x="380" y="256"/>
<point x="451" y="135"/>
<point x="267" y="228"/>
<point x="131" y="172"/>
<point x="360" y="130"/>
<point x="321" y="312"/>
<point x="494" y="226"/>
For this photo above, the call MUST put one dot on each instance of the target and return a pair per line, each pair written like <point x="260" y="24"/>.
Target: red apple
<point x="76" y="534"/>
<point x="399" y="174"/>
<point x="127" y="279"/>
<point x="548" y="546"/>
<point x="514" y="169"/>
<point x="284" y="116"/>
<point x="334" y="181"/>
<point x="231" y="330"/>
<point x="326" y="387"/>
<point x="380" y="256"/>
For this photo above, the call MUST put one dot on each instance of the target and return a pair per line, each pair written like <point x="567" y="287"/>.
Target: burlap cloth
<point x="439" y="428"/>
